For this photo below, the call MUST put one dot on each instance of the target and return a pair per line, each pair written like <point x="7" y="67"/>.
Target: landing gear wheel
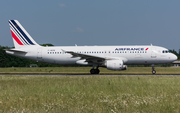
<point x="94" y="71"/>
<point x="97" y="71"/>
<point x="153" y="69"/>
<point x="153" y="72"/>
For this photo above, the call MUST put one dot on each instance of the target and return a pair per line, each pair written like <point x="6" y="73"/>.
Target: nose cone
<point x="173" y="57"/>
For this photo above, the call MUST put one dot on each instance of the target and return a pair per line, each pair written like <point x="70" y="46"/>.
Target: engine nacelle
<point x="115" y="65"/>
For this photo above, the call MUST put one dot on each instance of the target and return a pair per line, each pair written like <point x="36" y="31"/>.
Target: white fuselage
<point x="129" y="54"/>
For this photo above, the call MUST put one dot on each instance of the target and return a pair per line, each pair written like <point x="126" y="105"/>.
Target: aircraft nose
<point x="174" y="57"/>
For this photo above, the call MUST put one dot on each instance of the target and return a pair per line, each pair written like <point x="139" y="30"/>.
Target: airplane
<point x="112" y="57"/>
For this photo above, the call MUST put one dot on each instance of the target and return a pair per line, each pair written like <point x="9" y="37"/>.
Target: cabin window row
<point x="100" y="52"/>
<point x="130" y="52"/>
<point x="55" y="52"/>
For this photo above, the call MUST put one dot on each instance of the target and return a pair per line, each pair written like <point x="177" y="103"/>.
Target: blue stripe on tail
<point x="26" y="43"/>
<point x="21" y="31"/>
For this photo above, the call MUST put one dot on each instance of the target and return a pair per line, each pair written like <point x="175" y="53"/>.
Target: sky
<point x="94" y="22"/>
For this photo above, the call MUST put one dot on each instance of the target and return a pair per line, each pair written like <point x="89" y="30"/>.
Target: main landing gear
<point x="95" y="71"/>
<point x="153" y="69"/>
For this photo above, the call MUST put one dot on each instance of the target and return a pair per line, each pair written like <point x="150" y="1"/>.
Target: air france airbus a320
<point x="111" y="57"/>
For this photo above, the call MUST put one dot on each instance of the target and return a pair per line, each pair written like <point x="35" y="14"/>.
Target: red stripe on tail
<point x="16" y="38"/>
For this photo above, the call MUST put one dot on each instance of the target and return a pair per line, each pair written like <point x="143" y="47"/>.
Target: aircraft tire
<point x="153" y="72"/>
<point x="94" y="71"/>
<point x="97" y="71"/>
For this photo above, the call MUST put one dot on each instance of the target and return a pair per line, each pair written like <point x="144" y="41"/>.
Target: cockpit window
<point x="165" y="51"/>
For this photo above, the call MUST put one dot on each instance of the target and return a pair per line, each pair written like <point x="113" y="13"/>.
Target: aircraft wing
<point x="92" y="58"/>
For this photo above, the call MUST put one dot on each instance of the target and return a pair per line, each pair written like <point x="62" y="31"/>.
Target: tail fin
<point x="20" y="36"/>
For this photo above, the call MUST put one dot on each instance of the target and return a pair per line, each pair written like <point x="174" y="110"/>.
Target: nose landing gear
<point x="153" y="69"/>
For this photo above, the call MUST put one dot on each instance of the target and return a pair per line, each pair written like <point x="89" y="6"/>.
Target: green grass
<point x="85" y="70"/>
<point x="90" y="94"/>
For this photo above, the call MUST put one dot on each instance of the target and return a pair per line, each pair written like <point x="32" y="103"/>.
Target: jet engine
<point x="115" y="65"/>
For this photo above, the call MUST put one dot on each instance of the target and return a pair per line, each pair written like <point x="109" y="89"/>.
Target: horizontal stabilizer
<point x="14" y="50"/>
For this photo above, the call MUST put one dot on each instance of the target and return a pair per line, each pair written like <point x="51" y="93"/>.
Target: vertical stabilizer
<point x="20" y="36"/>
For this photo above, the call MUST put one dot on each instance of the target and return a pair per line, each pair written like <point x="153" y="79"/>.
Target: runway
<point x="82" y="74"/>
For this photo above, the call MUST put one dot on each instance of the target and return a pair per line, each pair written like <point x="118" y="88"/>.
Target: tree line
<point x="7" y="60"/>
